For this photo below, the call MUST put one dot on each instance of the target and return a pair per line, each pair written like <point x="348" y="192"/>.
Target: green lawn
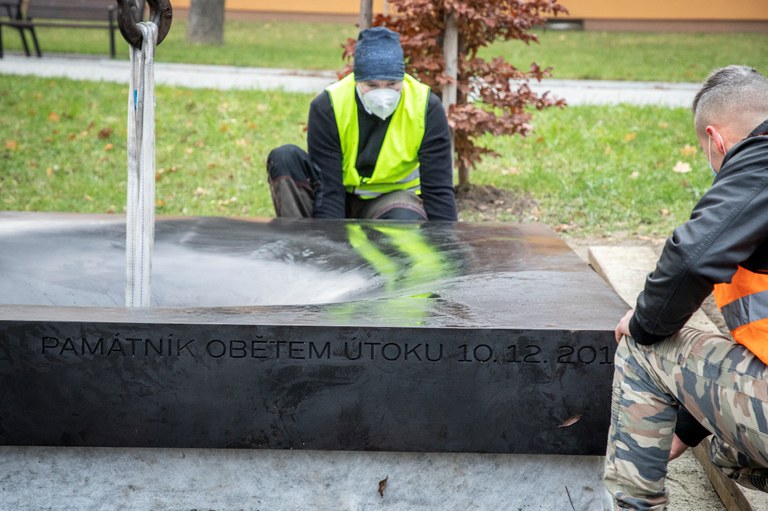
<point x="592" y="169"/>
<point x="670" y="57"/>
<point x="63" y="148"/>
<point x="679" y="57"/>
<point x="605" y="169"/>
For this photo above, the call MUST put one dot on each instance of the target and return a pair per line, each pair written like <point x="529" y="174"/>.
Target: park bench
<point x="10" y="14"/>
<point x="91" y="14"/>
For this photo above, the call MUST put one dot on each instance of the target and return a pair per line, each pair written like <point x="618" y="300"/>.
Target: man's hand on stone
<point x="622" y="328"/>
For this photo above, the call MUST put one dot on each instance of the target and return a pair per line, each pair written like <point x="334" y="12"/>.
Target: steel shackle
<point x="128" y="17"/>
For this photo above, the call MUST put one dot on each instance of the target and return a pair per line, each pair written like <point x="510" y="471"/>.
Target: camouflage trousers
<point x="719" y="382"/>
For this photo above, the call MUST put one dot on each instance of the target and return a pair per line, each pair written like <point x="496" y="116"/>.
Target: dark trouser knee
<point x="292" y="161"/>
<point x="291" y="180"/>
<point x="399" y="205"/>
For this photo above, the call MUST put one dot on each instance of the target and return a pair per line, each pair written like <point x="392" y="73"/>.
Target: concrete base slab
<point x="175" y="479"/>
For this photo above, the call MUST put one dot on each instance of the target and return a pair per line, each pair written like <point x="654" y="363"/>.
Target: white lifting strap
<point x="140" y="210"/>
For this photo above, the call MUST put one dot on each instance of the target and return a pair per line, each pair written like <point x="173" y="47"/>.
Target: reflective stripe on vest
<point x="744" y="305"/>
<point x="410" y="265"/>
<point x="397" y="167"/>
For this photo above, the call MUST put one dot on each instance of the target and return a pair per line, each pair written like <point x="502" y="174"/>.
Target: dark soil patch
<point x="488" y="203"/>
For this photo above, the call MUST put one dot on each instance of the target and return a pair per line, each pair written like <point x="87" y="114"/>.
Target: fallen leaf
<point x="53" y="117"/>
<point x="108" y="147"/>
<point x="681" y="167"/>
<point x="49" y="172"/>
<point x="629" y="137"/>
<point x="105" y="133"/>
<point x="11" y="144"/>
<point x="87" y="197"/>
<point x="570" y="421"/>
<point x="200" y="191"/>
<point x="688" y="150"/>
<point x="383" y="486"/>
<point x="663" y="125"/>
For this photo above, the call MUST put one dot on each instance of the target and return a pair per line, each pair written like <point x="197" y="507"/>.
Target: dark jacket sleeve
<point x="324" y="148"/>
<point x="688" y="429"/>
<point x="436" y="164"/>
<point x="727" y="225"/>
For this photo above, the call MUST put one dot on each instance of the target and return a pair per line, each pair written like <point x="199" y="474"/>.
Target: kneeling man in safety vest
<point x="378" y="142"/>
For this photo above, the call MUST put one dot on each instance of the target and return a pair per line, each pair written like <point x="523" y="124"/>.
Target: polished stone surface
<point x="304" y="335"/>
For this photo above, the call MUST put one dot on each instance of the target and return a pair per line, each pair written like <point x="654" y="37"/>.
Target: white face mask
<point x="709" y="152"/>
<point x="380" y="102"/>
<point x="709" y="156"/>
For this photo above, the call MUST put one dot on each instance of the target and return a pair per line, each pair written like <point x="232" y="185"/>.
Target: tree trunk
<point x="206" y="22"/>
<point x="451" y="59"/>
<point x="366" y="13"/>
<point x="464" y="183"/>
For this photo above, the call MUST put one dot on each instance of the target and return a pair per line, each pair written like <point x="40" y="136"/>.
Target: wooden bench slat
<point x="76" y="12"/>
<point x="100" y="14"/>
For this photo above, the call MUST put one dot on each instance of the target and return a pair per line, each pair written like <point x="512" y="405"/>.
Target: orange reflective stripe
<point x="744" y="304"/>
<point x="744" y="283"/>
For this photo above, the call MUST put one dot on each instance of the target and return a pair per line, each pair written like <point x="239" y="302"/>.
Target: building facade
<point x="654" y="15"/>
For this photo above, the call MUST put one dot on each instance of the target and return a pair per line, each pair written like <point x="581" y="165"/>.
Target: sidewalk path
<point x="576" y="92"/>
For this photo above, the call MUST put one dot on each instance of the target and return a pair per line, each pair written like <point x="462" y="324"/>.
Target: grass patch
<point x="604" y="169"/>
<point x="670" y="57"/>
<point x="63" y="148"/>
<point x="678" y="57"/>
<point x="293" y="45"/>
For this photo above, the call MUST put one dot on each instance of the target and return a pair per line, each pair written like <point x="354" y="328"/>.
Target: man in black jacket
<point x="674" y="385"/>
<point x="378" y="143"/>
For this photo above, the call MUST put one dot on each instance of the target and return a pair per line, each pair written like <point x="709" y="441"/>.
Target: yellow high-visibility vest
<point x="397" y="167"/>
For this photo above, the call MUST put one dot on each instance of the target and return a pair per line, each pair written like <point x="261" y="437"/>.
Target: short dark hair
<point x="723" y="77"/>
<point x="732" y="87"/>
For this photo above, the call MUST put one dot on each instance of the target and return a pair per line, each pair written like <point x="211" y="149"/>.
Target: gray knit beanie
<point x="378" y="55"/>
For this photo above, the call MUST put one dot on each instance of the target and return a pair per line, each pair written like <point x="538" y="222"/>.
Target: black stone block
<point x="302" y="334"/>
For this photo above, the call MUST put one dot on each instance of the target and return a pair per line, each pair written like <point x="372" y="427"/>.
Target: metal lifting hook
<point x="129" y="15"/>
